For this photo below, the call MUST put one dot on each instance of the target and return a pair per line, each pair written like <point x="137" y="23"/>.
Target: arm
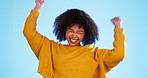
<point x="112" y="57"/>
<point x="30" y="24"/>
<point x="34" y="39"/>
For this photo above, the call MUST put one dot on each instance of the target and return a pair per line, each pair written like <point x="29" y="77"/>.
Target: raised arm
<point x="112" y="57"/>
<point x="34" y="38"/>
<point x="30" y="23"/>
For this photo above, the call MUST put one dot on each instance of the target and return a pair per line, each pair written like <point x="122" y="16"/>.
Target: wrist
<point x="117" y="25"/>
<point x="37" y="8"/>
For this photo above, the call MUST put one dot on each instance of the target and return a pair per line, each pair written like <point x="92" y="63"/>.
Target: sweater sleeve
<point x="112" y="57"/>
<point x="34" y="38"/>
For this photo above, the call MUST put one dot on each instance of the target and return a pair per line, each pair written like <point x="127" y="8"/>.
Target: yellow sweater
<point x="63" y="61"/>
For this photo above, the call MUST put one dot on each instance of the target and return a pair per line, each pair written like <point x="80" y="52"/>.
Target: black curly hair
<point x="76" y="16"/>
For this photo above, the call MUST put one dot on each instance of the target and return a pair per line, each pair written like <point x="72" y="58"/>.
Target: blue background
<point x="18" y="61"/>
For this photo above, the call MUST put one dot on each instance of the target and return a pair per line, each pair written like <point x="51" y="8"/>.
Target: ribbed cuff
<point x="35" y="12"/>
<point x="118" y="30"/>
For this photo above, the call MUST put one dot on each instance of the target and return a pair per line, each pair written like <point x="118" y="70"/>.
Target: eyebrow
<point x="69" y="28"/>
<point x="81" y="31"/>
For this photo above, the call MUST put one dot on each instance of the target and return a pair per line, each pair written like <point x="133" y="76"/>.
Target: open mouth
<point x="73" y="41"/>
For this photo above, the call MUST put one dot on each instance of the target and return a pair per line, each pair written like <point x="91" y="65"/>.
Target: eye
<point x="70" y="30"/>
<point x="80" y="32"/>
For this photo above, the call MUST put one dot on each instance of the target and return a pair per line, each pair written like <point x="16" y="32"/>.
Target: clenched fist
<point x="39" y="4"/>
<point x="117" y="22"/>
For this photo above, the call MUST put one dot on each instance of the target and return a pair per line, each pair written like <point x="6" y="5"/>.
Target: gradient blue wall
<point x="18" y="61"/>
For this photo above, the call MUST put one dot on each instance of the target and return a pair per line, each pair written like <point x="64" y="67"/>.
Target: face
<point x="74" y="35"/>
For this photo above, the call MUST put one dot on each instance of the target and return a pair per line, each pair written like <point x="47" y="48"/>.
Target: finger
<point x="116" y="19"/>
<point x="41" y="0"/>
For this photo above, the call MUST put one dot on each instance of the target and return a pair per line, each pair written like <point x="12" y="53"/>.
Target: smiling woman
<point x="82" y="20"/>
<point x="73" y="60"/>
<point x="74" y="35"/>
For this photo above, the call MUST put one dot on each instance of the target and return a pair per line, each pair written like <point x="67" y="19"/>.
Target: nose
<point x="74" y="35"/>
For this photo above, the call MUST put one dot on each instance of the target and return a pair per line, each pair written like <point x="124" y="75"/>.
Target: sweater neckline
<point x="89" y="45"/>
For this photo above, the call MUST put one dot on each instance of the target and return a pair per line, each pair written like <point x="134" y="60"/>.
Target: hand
<point x="117" y="22"/>
<point x="39" y="4"/>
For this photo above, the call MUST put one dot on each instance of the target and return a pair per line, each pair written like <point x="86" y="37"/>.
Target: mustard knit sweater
<point x="63" y="61"/>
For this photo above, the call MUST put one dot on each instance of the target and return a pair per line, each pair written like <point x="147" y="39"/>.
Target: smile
<point x="73" y="40"/>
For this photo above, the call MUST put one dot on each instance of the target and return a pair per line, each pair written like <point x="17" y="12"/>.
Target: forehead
<point x="75" y="26"/>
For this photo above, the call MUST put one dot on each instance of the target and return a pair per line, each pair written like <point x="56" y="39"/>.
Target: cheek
<point x="67" y="34"/>
<point x="81" y="37"/>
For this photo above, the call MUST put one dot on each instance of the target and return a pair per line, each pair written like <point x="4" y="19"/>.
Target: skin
<point x="39" y="4"/>
<point x="117" y="22"/>
<point x="74" y="34"/>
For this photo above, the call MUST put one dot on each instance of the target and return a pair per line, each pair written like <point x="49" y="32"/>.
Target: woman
<point x="77" y="59"/>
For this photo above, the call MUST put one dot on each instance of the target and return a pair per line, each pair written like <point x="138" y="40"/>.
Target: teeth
<point x="73" y="40"/>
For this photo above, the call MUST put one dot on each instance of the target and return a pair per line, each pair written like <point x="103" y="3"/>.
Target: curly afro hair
<point x="76" y="16"/>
